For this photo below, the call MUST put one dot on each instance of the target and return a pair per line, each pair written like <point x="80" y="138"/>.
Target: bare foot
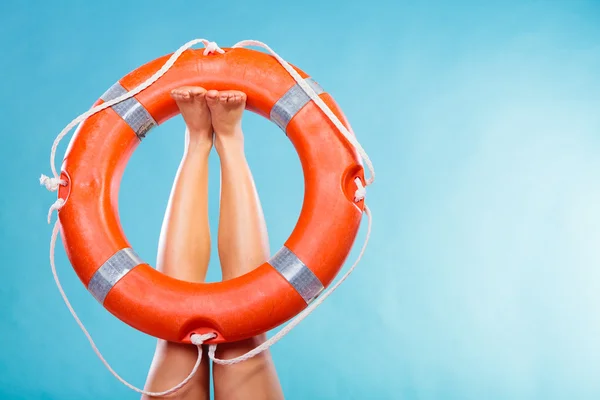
<point x="226" y="108"/>
<point x="191" y="101"/>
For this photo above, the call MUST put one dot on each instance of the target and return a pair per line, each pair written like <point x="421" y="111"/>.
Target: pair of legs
<point x="213" y="118"/>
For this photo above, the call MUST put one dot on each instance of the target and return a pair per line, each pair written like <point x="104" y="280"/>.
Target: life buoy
<point x="258" y="301"/>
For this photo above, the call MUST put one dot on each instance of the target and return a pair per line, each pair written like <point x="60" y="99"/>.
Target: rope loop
<point x="211" y="47"/>
<point x="198" y="340"/>
<point x="55" y="207"/>
<point x="319" y="102"/>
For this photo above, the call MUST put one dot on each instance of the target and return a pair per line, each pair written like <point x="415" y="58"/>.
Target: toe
<point x="225" y="97"/>
<point x="180" y="94"/>
<point x="237" y="98"/>
<point x="232" y="97"/>
<point x="212" y="96"/>
<point x="241" y="97"/>
<point x="197" y="91"/>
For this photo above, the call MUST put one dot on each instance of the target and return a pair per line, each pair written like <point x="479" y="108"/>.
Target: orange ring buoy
<point x="235" y="309"/>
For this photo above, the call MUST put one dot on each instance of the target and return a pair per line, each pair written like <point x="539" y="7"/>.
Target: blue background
<point x="483" y="121"/>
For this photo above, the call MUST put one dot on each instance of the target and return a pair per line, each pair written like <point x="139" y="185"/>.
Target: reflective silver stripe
<point x="291" y="102"/>
<point x="131" y="110"/>
<point x="112" y="271"/>
<point x="297" y="274"/>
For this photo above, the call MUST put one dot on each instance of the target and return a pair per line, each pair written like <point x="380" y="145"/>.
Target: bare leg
<point x="243" y="246"/>
<point x="184" y="249"/>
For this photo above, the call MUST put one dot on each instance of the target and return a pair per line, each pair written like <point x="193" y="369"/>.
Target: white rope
<point x="315" y="97"/>
<point x="198" y="340"/>
<point x="358" y="196"/>
<point x="53" y="183"/>
<point x="285" y="330"/>
<point x="211" y="47"/>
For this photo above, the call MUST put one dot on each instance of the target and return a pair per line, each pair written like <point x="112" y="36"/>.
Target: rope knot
<point x="52" y="184"/>
<point x="211" y="47"/>
<point x="198" y="340"/>
<point x="361" y="191"/>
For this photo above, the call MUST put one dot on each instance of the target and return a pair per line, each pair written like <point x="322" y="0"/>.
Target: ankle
<point x="199" y="141"/>
<point x="229" y="143"/>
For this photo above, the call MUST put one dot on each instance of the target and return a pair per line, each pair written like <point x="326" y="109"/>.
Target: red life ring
<point x="239" y="308"/>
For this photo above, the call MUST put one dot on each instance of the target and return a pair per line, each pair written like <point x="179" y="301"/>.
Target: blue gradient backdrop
<point x="482" y="279"/>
